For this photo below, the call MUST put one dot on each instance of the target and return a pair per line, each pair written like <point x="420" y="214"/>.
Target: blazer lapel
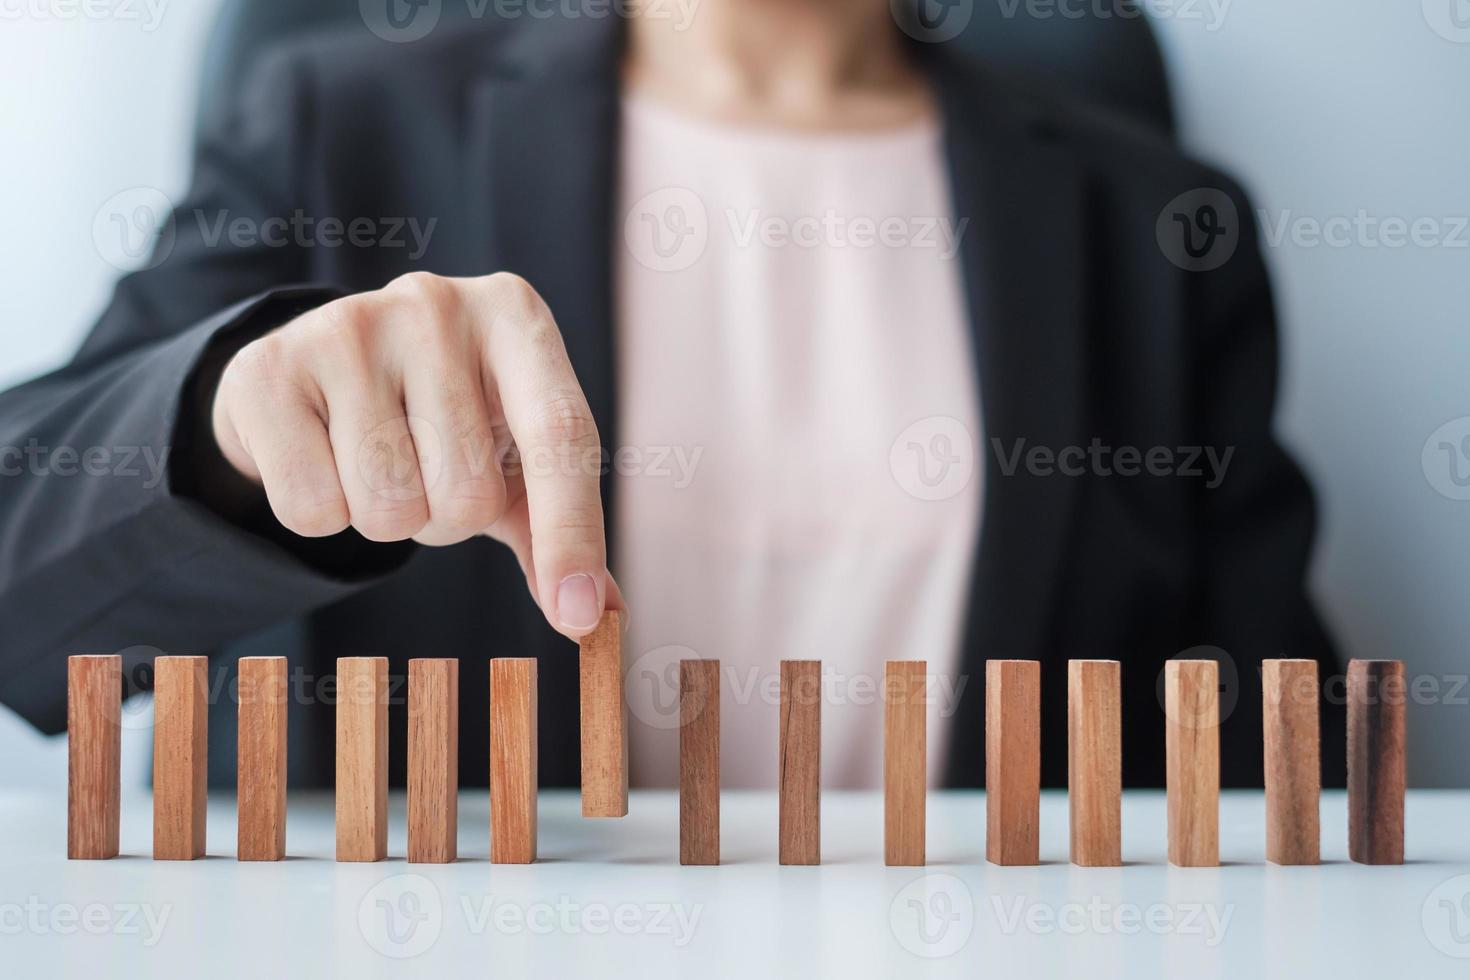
<point x="1024" y="278"/>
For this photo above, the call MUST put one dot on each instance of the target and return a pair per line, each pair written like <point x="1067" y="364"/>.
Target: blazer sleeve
<point x="120" y="529"/>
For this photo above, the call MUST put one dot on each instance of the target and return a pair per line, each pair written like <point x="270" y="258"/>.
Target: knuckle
<point x="514" y="294"/>
<point x="395" y="522"/>
<point x="429" y="293"/>
<point x="469" y="509"/>
<point x="313" y="515"/>
<point x="564" y="420"/>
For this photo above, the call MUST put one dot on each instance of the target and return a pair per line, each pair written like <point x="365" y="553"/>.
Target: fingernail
<point x="576" y="603"/>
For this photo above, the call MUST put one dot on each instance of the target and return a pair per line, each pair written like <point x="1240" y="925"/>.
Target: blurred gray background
<point x="1349" y="120"/>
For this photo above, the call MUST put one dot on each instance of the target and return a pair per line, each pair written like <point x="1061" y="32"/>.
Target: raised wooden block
<point x="433" y="761"/>
<point x="261" y="759"/>
<point x="362" y="758"/>
<point x="699" y="762"/>
<point x="180" y="756"/>
<point x="1013" y="762"/>
<point x="94" y="756"/>
<point x="1192" y="761"/>
<point x="1293" y="761"/>
<point x="801" y="762"/>
<point x="1377" y="775"/>
<point x="1095" y="762"/>
<point x="604" y="721"/>
<point x="513" y="760"/>
<point x="904" y="762"/>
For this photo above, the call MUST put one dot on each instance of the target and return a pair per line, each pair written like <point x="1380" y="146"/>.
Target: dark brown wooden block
<point x="699" y="762"/>
<point x="1377" y="773"/>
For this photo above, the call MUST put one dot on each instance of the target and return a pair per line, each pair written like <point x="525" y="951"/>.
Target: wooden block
<point x="801" y="762"/>
<point x="513" y="760"/>
<point x="1095" y="762"/>
<point x="604" y="721"/>
<point x="904" y="762"/>
<point x="1377" y="775"/>
<point x="1192" y="761"/>
<point x="1293" y="761"/>
<point x="94" y="756"/>
<point x="699" y="762"/>
<point x="433" y="761"/>
<point x="261" y="760"/>
<point x="1013" y="762"/>
<point x="180" y="756"/>
<point x="362" y="758"/>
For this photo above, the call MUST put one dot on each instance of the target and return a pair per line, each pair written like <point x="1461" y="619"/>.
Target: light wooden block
<point x="1094" y="762"/>
<point x="800" y="784"/>
<point x="261" y="759"/>
<point x="94" y="756"/>
<point x="699" y="762"/>
<point x="513" y="760"/>
<point x="362" y="758"/>
<point x="180" y="757"/>
<point x="604" y="721"/>
<point x="904" y="762"/>
<point x="1293" y="761"/>
<point x="1013" y="762"/>
<point x="1377" y="765"/>
<point x="433" y="761"/>
<point x="1192" y="761"/>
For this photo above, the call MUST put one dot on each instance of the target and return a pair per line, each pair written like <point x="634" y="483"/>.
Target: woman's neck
<point x="807" y="64"/>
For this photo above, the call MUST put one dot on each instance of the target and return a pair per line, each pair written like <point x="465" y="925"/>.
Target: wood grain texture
<point x="800" y="766"/>
<point x="94" y="756"/>
<point x="604" y="721"/>
<point x="433" y="761"/>
<point x="904" y="762"/>
<point x="1293" y="761"/>
<point x="261" y="759"/>
<point x="513" y="760"/>
<point x="1192" y="761"/>
<point x="1377" y="774"/>
<point x="1013" y="762"/>
<point x="1095" y="762"/>
<point x="180" y="757"/>
<point x="699" y="762"/>
<point x="362" y="758"/>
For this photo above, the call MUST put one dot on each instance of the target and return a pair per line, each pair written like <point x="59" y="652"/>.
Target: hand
<point x="433" y="409"/>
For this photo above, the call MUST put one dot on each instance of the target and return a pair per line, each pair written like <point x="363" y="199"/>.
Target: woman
<point x="815" y="299"/>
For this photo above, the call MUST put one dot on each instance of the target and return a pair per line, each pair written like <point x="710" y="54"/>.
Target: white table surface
<point x="608" y="899"/>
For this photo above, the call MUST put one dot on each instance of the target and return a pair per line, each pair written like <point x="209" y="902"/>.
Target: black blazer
<point x="507" y="135"/>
